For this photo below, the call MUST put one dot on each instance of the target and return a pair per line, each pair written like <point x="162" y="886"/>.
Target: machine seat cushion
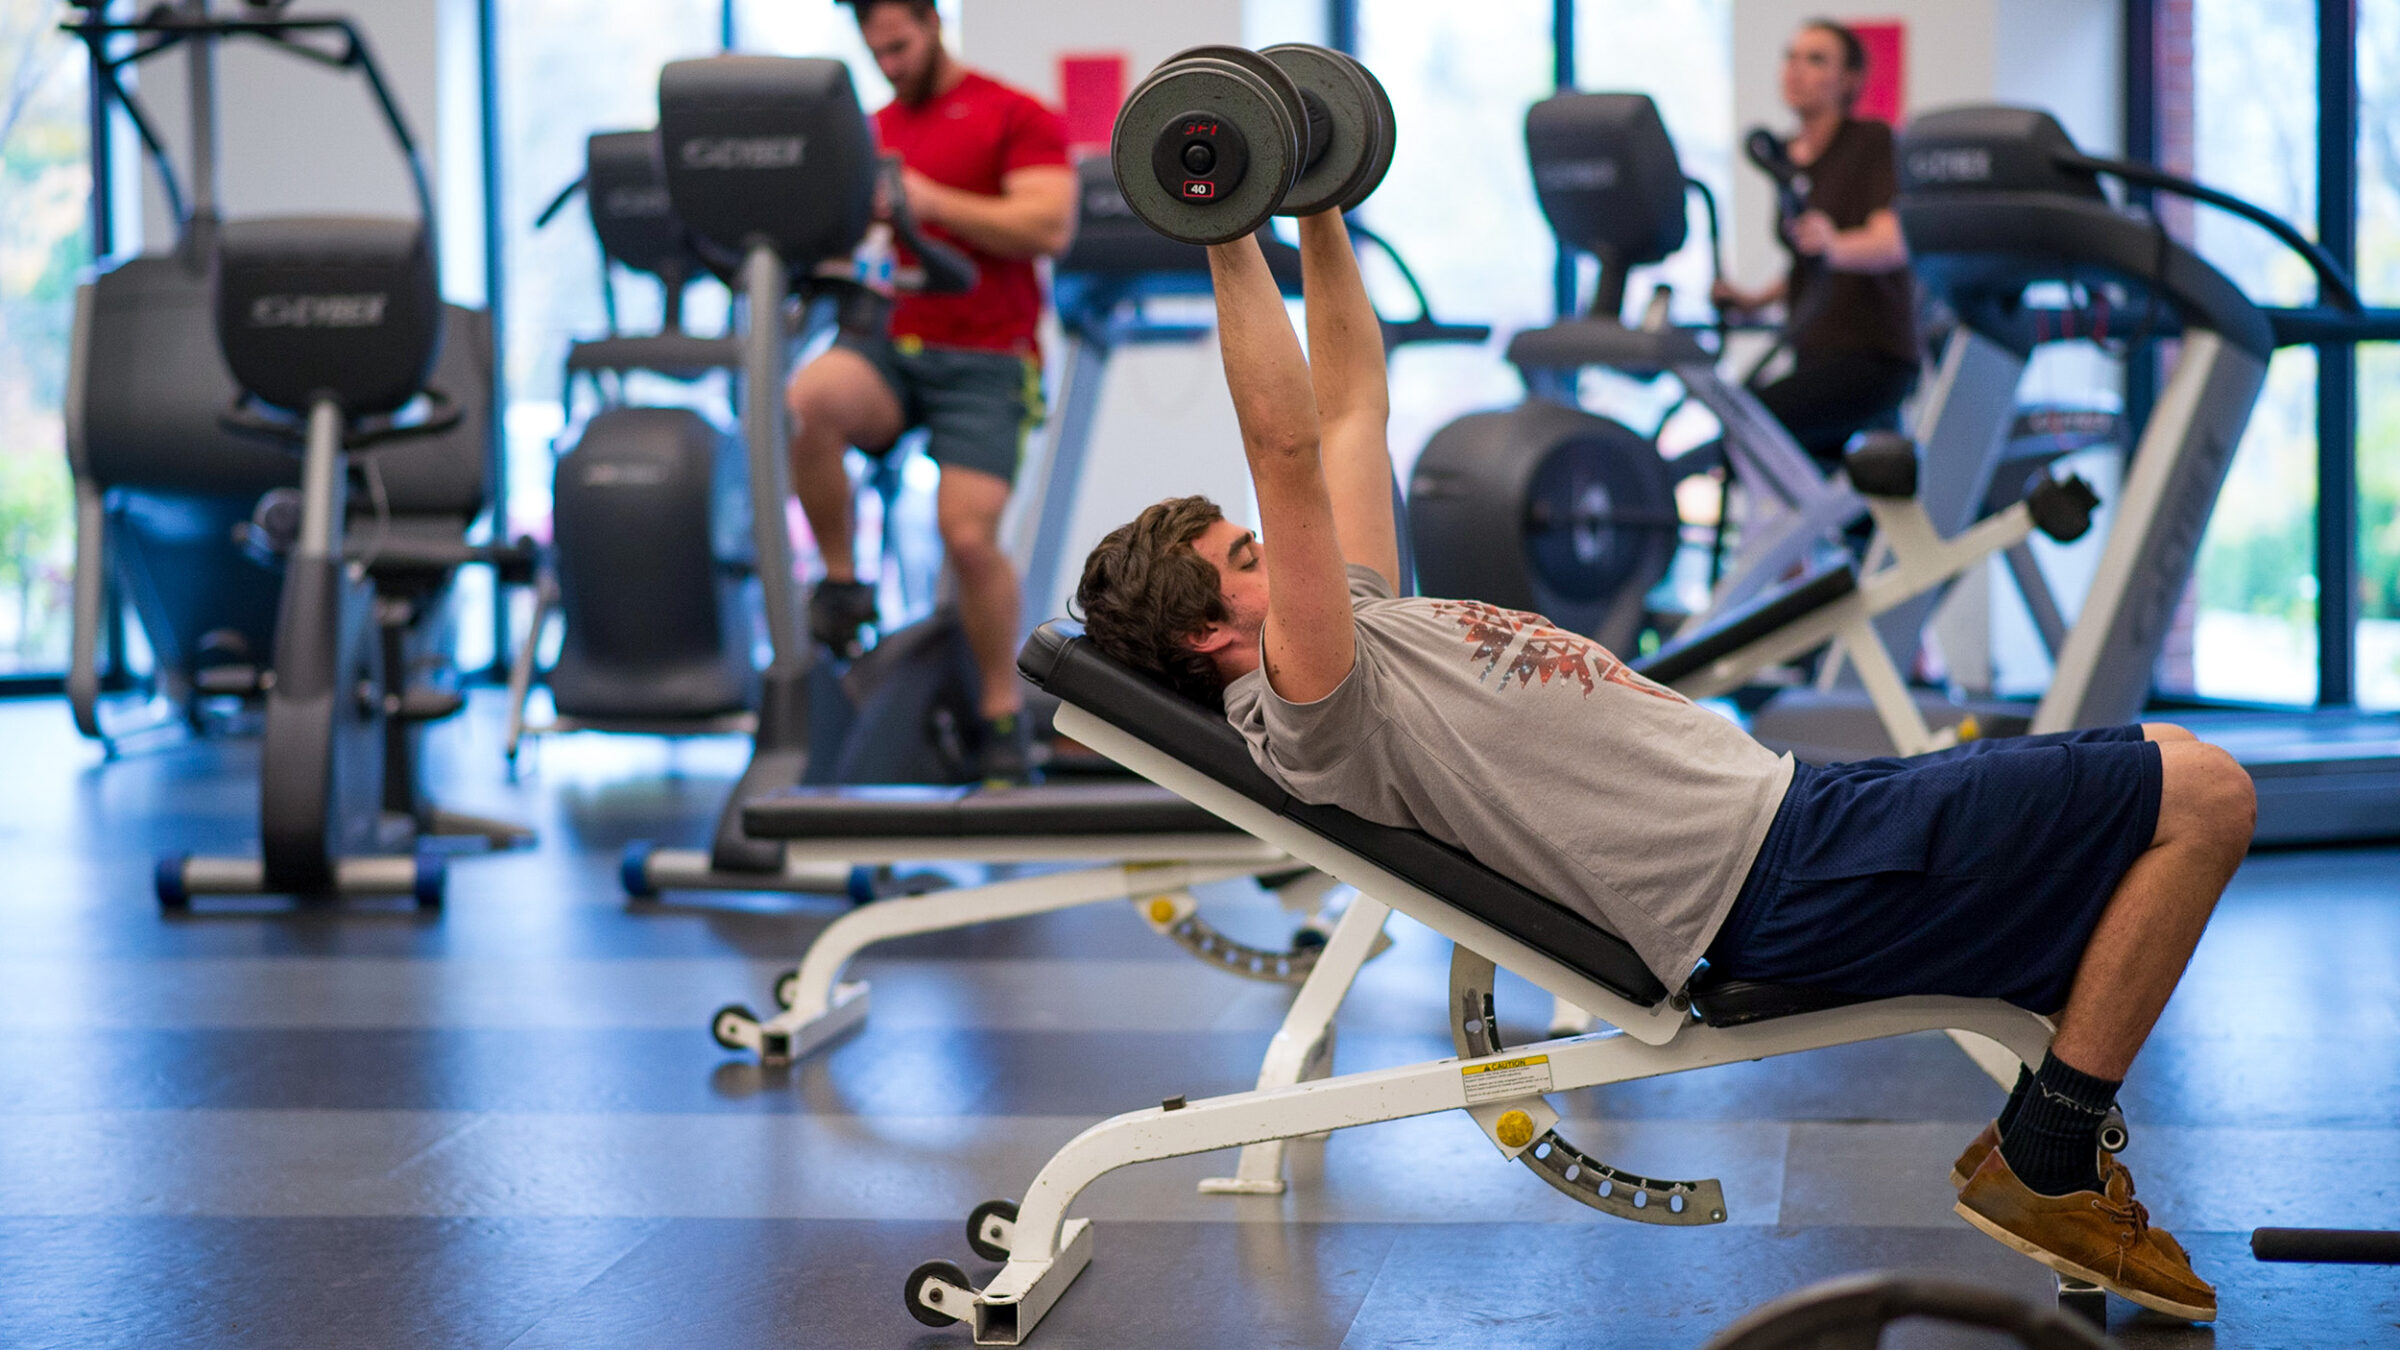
<point x="680" y="356"/>
<point x="976" y="813"/>
<point x="1059" y="660"/>
<point x="1578" y="343"/>
<point x="1785" y="604"/>
<point x="1731" y="1003"/>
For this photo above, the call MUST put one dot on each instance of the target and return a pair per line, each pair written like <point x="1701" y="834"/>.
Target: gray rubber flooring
<point x="506" y="1125"/>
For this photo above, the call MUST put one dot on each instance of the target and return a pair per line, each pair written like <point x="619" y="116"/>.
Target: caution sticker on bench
<point x="1505" y="1078"/>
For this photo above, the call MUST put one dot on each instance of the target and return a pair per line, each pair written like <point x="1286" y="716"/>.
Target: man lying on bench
<point x="2073" y="871"/>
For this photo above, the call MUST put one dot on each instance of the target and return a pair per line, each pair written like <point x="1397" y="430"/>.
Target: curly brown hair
<point x="1145" y="590"/>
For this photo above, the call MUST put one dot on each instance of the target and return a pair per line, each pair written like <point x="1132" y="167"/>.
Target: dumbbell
<point x="1217" y="139"/>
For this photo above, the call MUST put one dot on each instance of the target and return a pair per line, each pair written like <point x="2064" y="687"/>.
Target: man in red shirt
<point x="985" y="168"/>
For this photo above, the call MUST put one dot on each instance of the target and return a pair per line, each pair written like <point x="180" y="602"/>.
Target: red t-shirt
<point x="970" y="138"/>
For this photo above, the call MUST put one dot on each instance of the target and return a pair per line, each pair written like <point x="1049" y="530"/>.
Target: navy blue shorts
<point x="1979" y="871"/>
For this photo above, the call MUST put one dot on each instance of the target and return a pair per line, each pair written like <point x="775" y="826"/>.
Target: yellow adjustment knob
<point x="1968" y="728"/>
<point x="1515" y="1129"/>
<point x="1162" y="909"/>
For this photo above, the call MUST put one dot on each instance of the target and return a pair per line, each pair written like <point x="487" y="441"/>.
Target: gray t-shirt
<point x="1537" y="752"/>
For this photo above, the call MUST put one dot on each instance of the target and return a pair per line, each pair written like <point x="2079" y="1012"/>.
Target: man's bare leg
<point x="967" y="507"/>
<point x="836" y="401"/>
<point x="2154" y="919"/>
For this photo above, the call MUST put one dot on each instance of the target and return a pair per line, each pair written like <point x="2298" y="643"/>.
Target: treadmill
<point x="1995" y="202"/>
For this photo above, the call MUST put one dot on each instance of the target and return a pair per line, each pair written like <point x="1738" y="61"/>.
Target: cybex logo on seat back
<point x="743" y="152"/>
<point x="1578" y="175"/>
<point x="1959" y="164"/>
<point x="318" y="311"/>
<point x="635" y="201"/>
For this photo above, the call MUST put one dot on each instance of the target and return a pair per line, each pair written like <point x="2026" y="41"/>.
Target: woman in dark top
<point x="1849" y="299"/>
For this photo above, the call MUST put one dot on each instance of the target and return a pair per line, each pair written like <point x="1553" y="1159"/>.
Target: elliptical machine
<point x="164" y="495"/>
<point x="656" y="640"/>
<point x="1589" y="502"/>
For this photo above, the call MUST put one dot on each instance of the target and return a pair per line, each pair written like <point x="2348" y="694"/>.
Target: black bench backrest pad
<point x="1058" y="659"/>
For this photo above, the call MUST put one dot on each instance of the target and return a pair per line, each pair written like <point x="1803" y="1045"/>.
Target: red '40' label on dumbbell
<point x="1199" y="189"/>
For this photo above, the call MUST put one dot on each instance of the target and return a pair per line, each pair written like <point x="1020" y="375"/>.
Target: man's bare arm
<point x="1354" y="402"/>
<point x="1033" y="217"/>
<point x="1310" y="641"/>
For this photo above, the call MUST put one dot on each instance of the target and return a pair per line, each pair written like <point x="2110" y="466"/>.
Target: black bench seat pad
<point x="1058" y="659"/>
<point x="1082" y="809"/>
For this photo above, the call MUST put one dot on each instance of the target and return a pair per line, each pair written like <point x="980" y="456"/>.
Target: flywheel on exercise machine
<point x="1546" y="508"/>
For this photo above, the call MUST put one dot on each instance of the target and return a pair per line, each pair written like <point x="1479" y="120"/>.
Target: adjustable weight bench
<point x="1492" y="921"/>
<point x="1157" y="847"/>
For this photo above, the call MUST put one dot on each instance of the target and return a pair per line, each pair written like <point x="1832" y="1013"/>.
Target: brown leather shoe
<point x="1989" y="1141"/>
<point x="1973" y="1157"/>
<point x="2103" y="1237"/>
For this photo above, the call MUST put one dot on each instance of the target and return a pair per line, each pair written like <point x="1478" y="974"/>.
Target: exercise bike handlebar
<point x="943" y="269"/>
<point x="441" y="413"/>
<point x="2331" y="278"/>
<point x="1423" y="327"/>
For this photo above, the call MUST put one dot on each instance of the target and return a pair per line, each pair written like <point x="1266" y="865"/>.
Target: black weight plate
<point x="1386" y="139"/>
<point x="1596" y="516"/>
<point x="1286" y="90"/>
<point x="1350" y="130"/>
<point x="1219" y="89"/>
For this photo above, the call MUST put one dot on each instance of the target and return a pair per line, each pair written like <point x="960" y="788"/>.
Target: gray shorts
<point x="977" y="407"/>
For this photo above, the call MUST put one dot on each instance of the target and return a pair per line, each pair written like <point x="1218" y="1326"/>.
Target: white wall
<point x="2066" y="56"/>
<point x="1020" y="40"/>
<point x="1165" y="426"/>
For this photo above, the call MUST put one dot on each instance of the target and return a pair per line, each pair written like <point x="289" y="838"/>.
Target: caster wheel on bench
<point x="924" y="1304"/>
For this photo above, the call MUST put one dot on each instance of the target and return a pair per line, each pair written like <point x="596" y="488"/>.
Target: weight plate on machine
<point x="1595" y="515"/>
<point x="1349" y="139"/>
<point x="1253" y="149"/>
<point x="1545" y="508"/>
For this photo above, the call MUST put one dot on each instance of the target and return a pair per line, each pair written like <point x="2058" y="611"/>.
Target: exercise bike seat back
<point x="767" y="149"/>
<point x="328" y="307"/>
<point x="1609" y="184"/>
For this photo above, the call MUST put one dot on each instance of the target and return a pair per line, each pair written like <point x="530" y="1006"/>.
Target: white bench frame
<point x="1047" y="1250"/>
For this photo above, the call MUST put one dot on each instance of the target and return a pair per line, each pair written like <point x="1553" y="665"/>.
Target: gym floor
<point x="507" y="1125"/>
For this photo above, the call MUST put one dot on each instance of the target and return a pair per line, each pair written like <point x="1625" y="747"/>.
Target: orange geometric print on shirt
<point x="1549" y="653"/>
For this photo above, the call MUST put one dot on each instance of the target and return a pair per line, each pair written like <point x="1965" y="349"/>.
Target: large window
<point x="1459" y="199"/>
<point x="1681" y="55"/>
<point x="2379" y="365"/>
<point x="2254" y="133"/>
<point x="568" y="69"/>
<point x="46" y="183"/>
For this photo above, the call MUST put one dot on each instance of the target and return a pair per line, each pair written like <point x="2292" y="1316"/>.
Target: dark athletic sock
<point x="2016" y="1099"/>
<point x="2054" y="1143"/>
